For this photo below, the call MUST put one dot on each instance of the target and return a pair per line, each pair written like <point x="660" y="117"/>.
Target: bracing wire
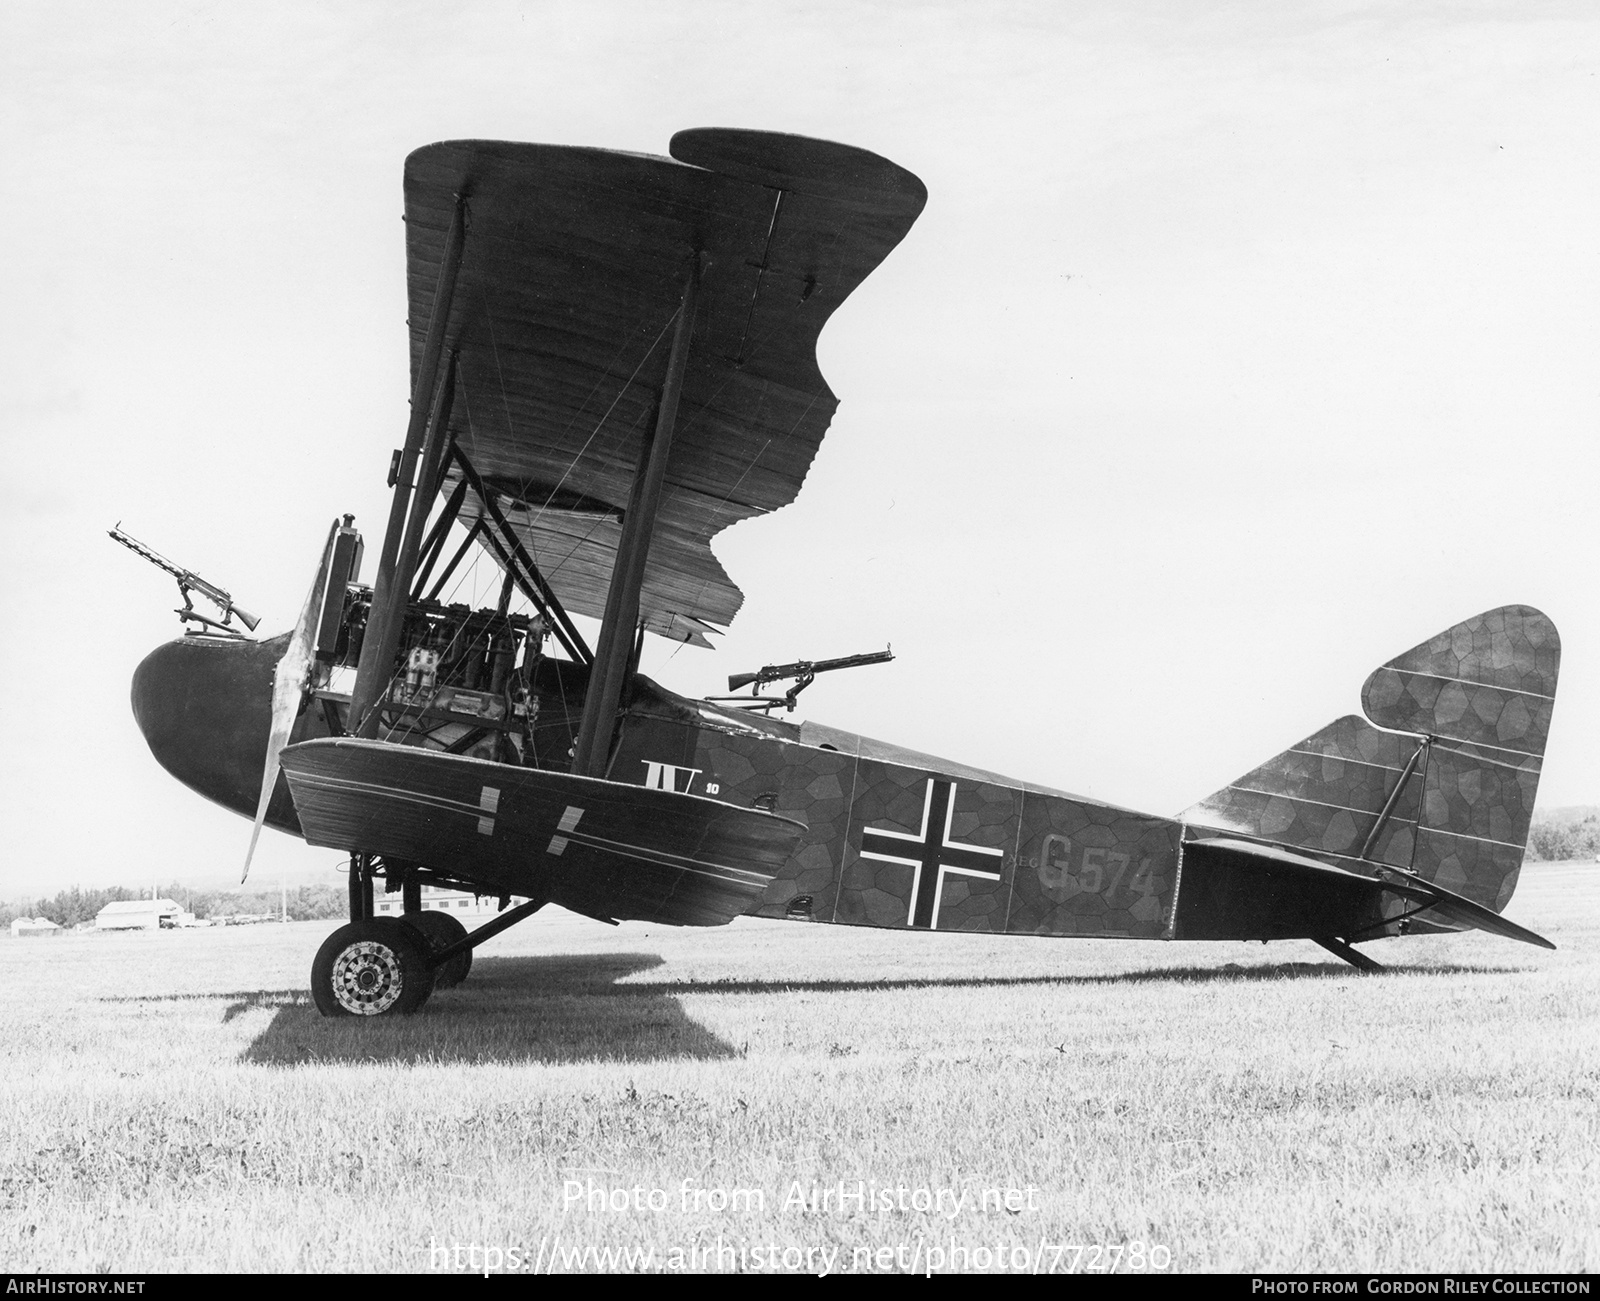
<point x="576" y="546"/>
<point x="593" y="433"/>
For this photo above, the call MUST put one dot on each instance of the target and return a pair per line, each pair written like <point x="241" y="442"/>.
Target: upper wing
<point x="569" y="284"/>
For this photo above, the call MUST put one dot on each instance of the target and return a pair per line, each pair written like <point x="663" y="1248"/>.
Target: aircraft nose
<point x="204" y="705"/>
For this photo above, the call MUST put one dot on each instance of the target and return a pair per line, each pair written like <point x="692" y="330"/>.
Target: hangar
<point x="141" y="915"/>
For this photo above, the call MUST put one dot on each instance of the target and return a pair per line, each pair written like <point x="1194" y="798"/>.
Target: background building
<point x="141" y="914"/>
<point x="469" y="910"/>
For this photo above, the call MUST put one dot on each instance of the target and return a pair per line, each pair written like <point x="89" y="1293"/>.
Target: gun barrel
<point x="805" y="669"/>
<point x="852" y="661"/>
<point x="138" y="548"/>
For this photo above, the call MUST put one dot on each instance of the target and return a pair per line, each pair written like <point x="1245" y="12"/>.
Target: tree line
<point x="70" y="907"/>
<point x="1563" y="834"/>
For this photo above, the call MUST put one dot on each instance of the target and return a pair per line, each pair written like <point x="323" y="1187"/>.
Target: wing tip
<point x="806" y="164"/>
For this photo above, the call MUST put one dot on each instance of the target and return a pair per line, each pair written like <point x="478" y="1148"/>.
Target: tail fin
<point x="1442" y="786"/>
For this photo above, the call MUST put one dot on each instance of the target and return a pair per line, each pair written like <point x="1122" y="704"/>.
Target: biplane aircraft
<point x="613" y="358"/>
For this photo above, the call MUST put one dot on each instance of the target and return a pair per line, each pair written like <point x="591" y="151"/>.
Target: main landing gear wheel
<point x="441" y="930"/>
<point x="371" y="968"/>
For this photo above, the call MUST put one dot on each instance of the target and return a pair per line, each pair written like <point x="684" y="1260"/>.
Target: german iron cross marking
<point x="931" y="853"/>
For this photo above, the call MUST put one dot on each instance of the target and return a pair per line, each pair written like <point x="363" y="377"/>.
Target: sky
<point x="1240" y="348"/>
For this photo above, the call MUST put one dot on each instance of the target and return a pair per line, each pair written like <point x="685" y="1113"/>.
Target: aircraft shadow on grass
<point x="553" y="1010"/>
<point x="1192" y="975"/>
<point x="575" y="1008"/>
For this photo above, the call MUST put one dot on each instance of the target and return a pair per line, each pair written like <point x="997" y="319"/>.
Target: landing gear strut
<point x="440" y="930"/>
<point x="361" y="887"/>
<point x="380" y="966"/>
<point x="377" y="966"/>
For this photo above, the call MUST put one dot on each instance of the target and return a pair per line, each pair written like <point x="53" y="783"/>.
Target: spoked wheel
<point x="441" y="930"/>
<point x="371" y="968"/>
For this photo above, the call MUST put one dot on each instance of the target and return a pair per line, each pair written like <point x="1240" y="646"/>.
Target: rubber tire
<point x="394" y="957"/>
<point x="440" y="929"/>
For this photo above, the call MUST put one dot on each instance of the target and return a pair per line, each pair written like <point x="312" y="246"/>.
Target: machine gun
<point x="189" y="581"/>
<point x="803" y="671"/>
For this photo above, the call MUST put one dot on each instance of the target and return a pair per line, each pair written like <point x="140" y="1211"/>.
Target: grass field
<point x="172" y="1101"/>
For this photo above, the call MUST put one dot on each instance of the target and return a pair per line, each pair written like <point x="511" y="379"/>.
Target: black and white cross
<point x="931" y="853"/>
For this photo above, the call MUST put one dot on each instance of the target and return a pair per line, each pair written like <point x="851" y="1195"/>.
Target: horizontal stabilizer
<point x="1445" y="905"/>
<point x="600" y="848"/>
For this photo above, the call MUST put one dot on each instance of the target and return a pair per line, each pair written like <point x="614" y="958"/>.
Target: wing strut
<point x="455" y="560"/>
<point x="561" y="623"/>
<point x="614" y="649"/>
<point x="384" y="627"/>
<point x="433" y="544"/>
<point x="398" y="558"/>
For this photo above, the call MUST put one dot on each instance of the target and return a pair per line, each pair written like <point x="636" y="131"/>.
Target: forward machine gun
<point x="804" y="672"/>
<point x="462" y="679"/>
<point x="190" y="582"/>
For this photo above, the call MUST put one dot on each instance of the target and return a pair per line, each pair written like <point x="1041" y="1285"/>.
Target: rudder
<point x="1441" y="780"/>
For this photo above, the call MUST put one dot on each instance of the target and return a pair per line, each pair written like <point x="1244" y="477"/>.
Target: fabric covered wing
<point x="571" y="277"/>
<point x="600" y="848"/>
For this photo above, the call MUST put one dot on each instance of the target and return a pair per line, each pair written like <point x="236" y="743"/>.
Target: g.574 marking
<point x="1098" y="868"/>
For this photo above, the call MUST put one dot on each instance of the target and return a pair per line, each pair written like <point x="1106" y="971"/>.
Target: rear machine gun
<point x="804" y="672"/>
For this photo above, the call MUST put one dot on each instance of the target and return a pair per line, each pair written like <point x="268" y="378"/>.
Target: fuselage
<point x="204" y="704"/>
<point x="893" y="838"/>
